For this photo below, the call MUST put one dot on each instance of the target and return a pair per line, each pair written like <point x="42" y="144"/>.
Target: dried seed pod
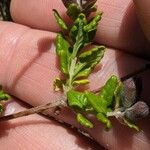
<point x="138" y="111"/>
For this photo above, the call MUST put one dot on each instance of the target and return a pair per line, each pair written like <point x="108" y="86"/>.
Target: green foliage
<point x="62" y="50"/>
<point x="84" y="121"/>
<point x="77" y="64"/>
<point x="59" y="20"/>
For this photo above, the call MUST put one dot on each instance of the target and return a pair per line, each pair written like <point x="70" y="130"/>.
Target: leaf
<point x="84" y="121"/>
<point x="93" y="56"/>
<point x="108" y="90"/>
<point x="88" y="60"/>
<point x="73" y="11"/>
<point x="92" y="25"/>
<point x="58" y="84"/>
<point x="98" y="104"/>
<point x="83" y="73"/>
<point x="59" y="20"/>
<point x="1" y="108"/>
<point x="82" y="81"/>
<point x="62" y="50"/>
<point x="131" y="124"/>
<point x="3" y="95"/>
<point x="101" y="117"/>
<point x="76" y="100"/>
<point x="79" y="24"/>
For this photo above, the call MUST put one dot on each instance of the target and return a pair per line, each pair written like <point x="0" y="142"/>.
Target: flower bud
<point x="138" y="111"/>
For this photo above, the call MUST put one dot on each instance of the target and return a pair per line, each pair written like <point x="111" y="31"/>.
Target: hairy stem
<point x="33" y="110"/>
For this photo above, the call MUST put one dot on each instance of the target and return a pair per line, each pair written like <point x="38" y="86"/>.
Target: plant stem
<point x="33" y="110"/>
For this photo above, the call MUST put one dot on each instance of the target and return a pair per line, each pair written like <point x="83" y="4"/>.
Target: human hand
<point x="29" y="68"/>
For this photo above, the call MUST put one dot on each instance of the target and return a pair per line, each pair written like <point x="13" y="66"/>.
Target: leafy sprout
<point x="115" y="99"/>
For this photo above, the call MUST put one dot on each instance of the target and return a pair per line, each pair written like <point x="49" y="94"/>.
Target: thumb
<point x="143" y="12"/>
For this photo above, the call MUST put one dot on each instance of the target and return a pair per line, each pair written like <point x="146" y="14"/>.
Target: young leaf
<point x="92" y="25"/>
<point x="88" y="60"/>
<point x="101" y="117"/>
<point x="108" y="90"/>
<point x="75" y="28"/>
<point x="59" y="20"/>
<point x="131" y="124"/>
<point x="62" y="50"/>
<point x="76" y="100"/>
<point x="96" y="102"/>
<point x="93" y="56"/>
<point x="84" y="121"/>
<point x="73" y="11"/>
<point x="82" y="81"/>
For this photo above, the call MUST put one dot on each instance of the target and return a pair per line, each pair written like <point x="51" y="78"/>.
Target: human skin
<point x="28" y="67"/>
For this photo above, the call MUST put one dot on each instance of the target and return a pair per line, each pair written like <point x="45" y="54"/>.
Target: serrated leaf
<point x="79" y="82"/>
<point x="76" y="100"/>
<point x="108" y="90"/>
<point x="59" y="20"/>
<point x="58" y="84"/>
<point x="84" y="121"/>
<point x="62" y="50"/>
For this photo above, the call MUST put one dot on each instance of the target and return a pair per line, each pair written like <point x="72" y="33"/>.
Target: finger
<point x="119" y="27"/>
<point x="143" y="12"/>
<point x="31" y="70"/>
<point x="36" y="132"/>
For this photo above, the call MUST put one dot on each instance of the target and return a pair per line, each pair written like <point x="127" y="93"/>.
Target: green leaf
<point x="58" y="84"/>
<point x="98" y="104"/>
<point x="73" y="11"/>
<point x="92" y="57"/>
<point x="59" y="20"/>
<point x="131" y="124"/>
<point x="84" y="121"/>
<point x="3" y="95"/>
<point x="1" y="108"/>
<point x="82" y="81"/>
<point x="108" y="90"/>
<point x="101" y="117"/>
<point x="76" y="100"/>
<point x="77" y="30"/>
<point x="92" y="25"/>
<point x="88" y="60"/>
<point x="83" y="73"/>
<point x="62" y="50"/>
